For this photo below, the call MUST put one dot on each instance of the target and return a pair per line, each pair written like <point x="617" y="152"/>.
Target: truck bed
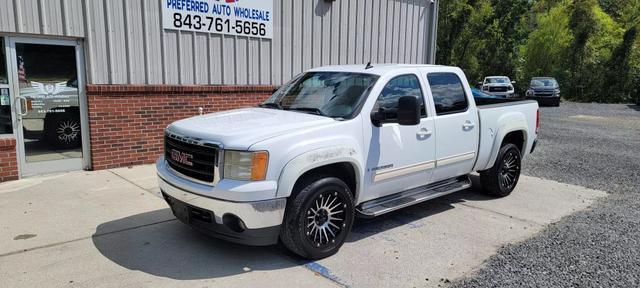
<point x="497" y="119"/>
<point x="482" y="101"/>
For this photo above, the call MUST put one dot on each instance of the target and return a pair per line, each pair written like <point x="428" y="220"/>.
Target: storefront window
<point x="5" y="104"/>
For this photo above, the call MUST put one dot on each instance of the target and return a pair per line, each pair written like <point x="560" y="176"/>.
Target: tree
<point x="590" y="46"/>
<point x="453" y="19"/>
<point x="622" y="77"/>
<point x="543" y="53"/>
<point x="582" y="26"/>
<point x="507" y="32"/>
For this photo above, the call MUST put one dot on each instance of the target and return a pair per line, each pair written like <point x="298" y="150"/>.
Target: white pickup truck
<point x="498" y="86"/>
<point x="336" y="143"/>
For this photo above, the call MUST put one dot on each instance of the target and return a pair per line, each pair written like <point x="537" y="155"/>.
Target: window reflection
<point x="448" y="93"/>
<point x="404" y="85"/>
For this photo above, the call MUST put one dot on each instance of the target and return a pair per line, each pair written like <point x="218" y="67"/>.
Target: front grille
<point x="544" y="94"/>
<point x="191" y="157"/>
<point x="498" y="89"/>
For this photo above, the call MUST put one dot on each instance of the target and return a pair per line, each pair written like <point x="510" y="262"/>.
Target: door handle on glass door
<point x="468" y="125"/>
<point x="22" y="106"/>
<point x="423" y="132"/>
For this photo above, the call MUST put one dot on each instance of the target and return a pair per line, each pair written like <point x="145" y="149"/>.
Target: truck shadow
<point x="157" y="244"/>
<point x="412" y="216"/>
<point x="171" y="249"/>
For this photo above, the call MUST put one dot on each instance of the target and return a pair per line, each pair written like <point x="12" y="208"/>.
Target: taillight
<point x="538" y="121"/>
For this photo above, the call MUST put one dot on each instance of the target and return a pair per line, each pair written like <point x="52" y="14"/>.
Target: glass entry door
<point x="49" y="103"/>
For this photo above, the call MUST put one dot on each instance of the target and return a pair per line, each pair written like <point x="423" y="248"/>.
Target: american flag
<point x="22" y="75"/>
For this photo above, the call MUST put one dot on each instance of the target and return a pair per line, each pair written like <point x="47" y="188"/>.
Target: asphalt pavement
<point x="595" y="146"/>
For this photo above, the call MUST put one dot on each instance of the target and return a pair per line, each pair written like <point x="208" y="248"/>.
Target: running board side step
<point x="413" y="196"/>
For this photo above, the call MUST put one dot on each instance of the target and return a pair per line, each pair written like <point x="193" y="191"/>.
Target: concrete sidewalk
<point x="107" y="229"/>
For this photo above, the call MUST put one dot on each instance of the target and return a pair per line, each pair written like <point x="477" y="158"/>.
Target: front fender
<point x="307" y="161"/>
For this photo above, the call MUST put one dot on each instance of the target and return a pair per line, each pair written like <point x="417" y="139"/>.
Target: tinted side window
<point x="448" y="93"/>
<point x="404" y="85"/>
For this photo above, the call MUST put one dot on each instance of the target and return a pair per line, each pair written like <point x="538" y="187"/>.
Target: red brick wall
<point x="8" y="159"/>
<point x="127" y="121"/>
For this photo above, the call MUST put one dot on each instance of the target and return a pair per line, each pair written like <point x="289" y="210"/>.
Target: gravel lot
<point x="596" y="146"/>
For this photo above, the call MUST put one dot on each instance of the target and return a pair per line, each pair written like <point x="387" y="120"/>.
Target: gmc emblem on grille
<point x="181" y="157"/>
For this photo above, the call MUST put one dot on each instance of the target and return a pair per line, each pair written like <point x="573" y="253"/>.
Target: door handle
<point x="21" y="108"/>
<point x="424" y="133"/>
<point x="468" y="125"/>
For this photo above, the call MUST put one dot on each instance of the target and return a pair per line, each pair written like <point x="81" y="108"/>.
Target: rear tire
<point x="500" y="180"/>
<point x="318" y="218"/>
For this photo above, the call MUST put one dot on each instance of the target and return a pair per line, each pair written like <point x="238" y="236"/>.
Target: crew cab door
<point x="400" y="157"/>
<point x="456" y="124"/>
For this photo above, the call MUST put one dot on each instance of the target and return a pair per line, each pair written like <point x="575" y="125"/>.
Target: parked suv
<point x="545" y="90"/>
<point x="498" y="86"/>
<point x="336" y="143"/>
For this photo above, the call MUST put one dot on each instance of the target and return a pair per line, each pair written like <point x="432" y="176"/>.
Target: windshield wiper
<point x="271" y="105"/>
<point x="307" y="109"/>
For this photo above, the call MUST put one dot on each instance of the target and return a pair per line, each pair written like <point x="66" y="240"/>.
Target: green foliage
<point x="590" y="46"/>
<point x="544" y="51"/>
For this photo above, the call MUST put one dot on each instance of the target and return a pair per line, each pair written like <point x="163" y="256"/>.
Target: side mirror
<point x="480" y="83"/>
<point x="409" y="111"/>
<point x="377" y="117"/>
<point x="513" y="82"/>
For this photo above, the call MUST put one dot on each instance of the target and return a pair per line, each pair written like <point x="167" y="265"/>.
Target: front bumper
<point x="251" y="223"/>
<point x="205" y="222"/>
<point x="507" y="94"/>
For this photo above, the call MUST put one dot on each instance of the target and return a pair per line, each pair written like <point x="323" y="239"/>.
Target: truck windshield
<point x="543" y="83"/>
<point x="331" y="94"/>
<point x="497" y="80"/>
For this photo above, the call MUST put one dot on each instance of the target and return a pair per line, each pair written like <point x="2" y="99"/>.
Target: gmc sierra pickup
<point x="336" y="143"/>
<point x="498" y="86"/>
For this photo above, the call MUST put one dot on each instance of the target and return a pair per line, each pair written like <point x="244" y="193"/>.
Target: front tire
<point x="500" y="180"/>
<point x="318" y="218"/>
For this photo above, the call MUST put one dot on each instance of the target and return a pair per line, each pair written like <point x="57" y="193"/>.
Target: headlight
<point x="510" y="87"/>
<point x="241" y="165"/>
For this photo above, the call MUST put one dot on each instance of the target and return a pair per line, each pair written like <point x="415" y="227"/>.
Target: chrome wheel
<point x="68" y="131"/>
<point x="510" y="169"/>
<point x="325" y="219"/>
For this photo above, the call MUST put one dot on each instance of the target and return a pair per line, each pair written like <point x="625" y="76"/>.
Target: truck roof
<point x="377" y="69"/>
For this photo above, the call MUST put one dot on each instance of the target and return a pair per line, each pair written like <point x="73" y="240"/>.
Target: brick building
<point x="91" y="84"/>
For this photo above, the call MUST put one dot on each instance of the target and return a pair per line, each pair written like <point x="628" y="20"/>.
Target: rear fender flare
<point x="508" y="123"/>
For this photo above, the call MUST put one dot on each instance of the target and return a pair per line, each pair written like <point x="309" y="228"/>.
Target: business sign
<point x="252" y="18"/>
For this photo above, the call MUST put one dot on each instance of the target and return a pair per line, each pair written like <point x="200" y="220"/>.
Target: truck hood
<point x="241" y="128"/>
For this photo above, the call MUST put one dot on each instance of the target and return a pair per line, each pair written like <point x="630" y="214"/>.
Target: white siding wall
<point x="126" y="45"/>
